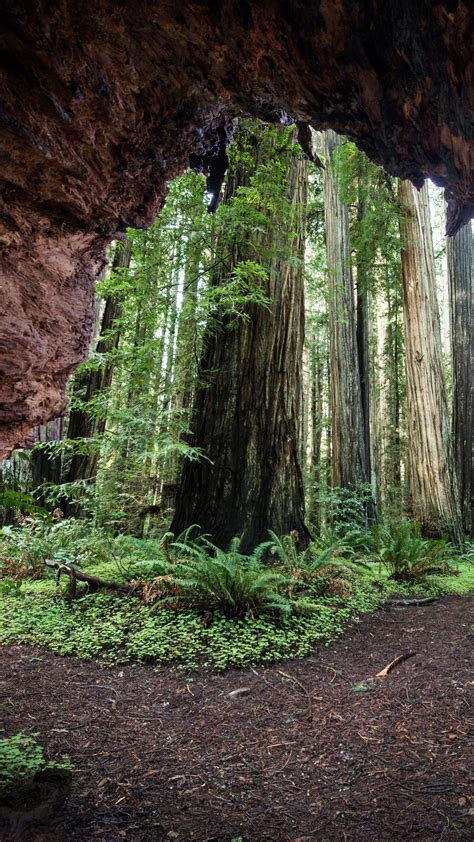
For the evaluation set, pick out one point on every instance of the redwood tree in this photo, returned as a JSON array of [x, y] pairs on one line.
[[460, 270], [350, 456], [434, 498], [247, 407]]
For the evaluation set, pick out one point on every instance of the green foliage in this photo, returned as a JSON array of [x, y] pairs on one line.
[[21, 757], [230, 583], [119, 629], [346, 508], [100, 625], [15, 497], [351, 544], [24, 548], [11, 587], [406, 555], [363, 687], [23, 503]]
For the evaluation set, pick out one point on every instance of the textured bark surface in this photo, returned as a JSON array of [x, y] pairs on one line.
[[350, 460], [102, 103], [460, 273], [434, 494], [247, 417]]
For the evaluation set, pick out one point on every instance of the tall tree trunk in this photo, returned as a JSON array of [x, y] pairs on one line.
[[316, 404], [247, 417], [374, 403], [460, 271], [350, 459], [362, 333], [391, 346], [433, 486], [187, 328]]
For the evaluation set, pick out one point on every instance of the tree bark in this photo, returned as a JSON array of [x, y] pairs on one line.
[[316, 402], [460, 270], [433, 487], [247, 416], [45, 466], [350, 459], [392, 391]]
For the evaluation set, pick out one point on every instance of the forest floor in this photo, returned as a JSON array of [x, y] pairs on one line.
[[310, 749]]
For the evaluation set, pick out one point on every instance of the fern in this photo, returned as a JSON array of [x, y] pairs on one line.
[[228, 582], [406, 555]]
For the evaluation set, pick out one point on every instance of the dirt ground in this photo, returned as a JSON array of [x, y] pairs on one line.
[[313, 749]]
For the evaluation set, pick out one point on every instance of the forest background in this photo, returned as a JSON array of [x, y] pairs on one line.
[[200, 397], [273, 427]]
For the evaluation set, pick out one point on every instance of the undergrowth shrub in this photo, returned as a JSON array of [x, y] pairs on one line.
[[352, 544], [231, 583], [24, 548], [276, 579], [406, 555], [316, 572]]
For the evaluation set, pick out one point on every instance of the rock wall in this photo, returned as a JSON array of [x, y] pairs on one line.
[[102, 102]]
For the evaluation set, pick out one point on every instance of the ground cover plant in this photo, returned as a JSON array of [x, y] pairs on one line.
[[22, 757], [193, 607]]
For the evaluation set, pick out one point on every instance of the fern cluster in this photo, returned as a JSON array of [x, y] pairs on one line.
[[199, 575], [407, 556]]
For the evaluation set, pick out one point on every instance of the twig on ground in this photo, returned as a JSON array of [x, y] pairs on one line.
[[383, 673]]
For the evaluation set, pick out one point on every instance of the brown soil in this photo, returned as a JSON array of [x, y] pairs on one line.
[[301, 754]]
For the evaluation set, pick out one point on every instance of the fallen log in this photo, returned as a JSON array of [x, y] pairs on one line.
[[406, 603]]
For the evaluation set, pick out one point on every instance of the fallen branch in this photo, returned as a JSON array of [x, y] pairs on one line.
[[94, 582], [383, 673]]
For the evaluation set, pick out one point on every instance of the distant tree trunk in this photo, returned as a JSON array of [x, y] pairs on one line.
[[350, 459], [374, 403], [316, 428], [46, 467], [392, 386], [187, 328], [460, 270], [362, 333], [433, 487], [82, 424], [247, 417]]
